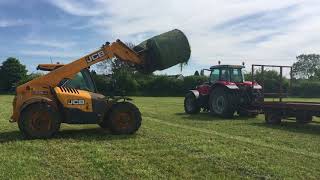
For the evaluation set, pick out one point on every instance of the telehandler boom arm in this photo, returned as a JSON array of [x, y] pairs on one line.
[[116, 49]]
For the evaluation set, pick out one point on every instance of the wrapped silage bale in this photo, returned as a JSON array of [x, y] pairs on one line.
[[164, 51]]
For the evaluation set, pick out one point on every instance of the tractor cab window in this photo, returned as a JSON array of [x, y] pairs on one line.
[[82, 81], [225, 76], [214, 76], [236, 75]]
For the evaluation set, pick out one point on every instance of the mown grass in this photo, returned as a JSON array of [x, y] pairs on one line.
[[170, 144]]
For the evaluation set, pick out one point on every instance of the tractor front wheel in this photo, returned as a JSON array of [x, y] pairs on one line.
[[124, 118], [221, 103], [190, 104], [39, 120]]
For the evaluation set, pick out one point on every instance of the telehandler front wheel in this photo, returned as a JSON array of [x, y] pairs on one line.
[[39, 121], [124, 118]]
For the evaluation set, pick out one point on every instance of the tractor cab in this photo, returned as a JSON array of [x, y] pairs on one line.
[[226, 73]]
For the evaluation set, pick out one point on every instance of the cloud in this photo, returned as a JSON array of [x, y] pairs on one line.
[[84, 8], [258, 31], [50, 53], [49, 42], [4, 23]]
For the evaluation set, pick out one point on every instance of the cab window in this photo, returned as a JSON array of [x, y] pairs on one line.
[[214, 76], [236, 75], [225, 76], [81, 81]]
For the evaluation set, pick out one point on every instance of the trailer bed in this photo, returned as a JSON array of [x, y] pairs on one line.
[[306, 106], [275, 111]]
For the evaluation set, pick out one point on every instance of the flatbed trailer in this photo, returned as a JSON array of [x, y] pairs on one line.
[[303, 112], [275, 111]]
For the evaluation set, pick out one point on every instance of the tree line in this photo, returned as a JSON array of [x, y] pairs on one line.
[[119, 78]]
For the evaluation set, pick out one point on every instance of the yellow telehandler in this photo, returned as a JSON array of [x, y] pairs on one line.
[[67, 93]]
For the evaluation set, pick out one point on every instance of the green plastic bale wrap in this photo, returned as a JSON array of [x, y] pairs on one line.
[[164, 51]]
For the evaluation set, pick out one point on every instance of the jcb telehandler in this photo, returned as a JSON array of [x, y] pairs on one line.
[[67, 94]]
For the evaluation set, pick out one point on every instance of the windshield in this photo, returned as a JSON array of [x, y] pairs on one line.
[[236, 75], [81, 81]]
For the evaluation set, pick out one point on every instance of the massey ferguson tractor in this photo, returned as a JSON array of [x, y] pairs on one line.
[[225, 93]]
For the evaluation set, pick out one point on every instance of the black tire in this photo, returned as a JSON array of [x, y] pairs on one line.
[[124, 118], [303, 118], [220, 103], [39, 121], [190, 104], [104, 124], [272, 118]]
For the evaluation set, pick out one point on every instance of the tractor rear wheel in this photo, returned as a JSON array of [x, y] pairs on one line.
[[39, 121], [220, 103], [190, 104], [124, 118]]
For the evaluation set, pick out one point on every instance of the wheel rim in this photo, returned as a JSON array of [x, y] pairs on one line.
[[219, 104], [40, 122], [124, 120]]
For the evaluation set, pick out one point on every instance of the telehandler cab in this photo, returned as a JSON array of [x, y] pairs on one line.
[[67, 94]]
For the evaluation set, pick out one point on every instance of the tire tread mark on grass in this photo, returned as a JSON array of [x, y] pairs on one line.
[[237, 138]]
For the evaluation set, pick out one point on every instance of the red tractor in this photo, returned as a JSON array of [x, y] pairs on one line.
[[225, 93]]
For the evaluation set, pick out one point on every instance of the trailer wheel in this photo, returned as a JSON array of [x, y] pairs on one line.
[[124, 118], [220, 103], [39, 121], [190, 104], [303, 118], [272, 118]]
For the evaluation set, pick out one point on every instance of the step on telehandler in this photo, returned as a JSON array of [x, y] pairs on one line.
[[67, 93]]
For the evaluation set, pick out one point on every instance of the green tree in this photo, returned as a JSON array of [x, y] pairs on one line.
[[270, 79], [196, 73], [27, 79], [12, 71], [307, 66]]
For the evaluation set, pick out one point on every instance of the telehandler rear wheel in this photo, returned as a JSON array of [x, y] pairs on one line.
[[39, 120], [124, 118]]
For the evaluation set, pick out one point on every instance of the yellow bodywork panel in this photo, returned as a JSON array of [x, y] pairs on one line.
[[73, 98]]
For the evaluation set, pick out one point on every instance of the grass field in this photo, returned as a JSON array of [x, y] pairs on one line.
[[170, 144]]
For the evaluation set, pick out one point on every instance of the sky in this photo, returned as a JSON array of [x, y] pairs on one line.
[[230, 31]]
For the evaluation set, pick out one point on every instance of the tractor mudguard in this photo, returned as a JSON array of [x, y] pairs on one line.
[[227, 85], [232, 86], [195, 93]]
